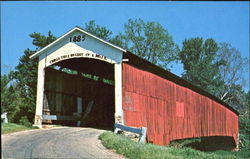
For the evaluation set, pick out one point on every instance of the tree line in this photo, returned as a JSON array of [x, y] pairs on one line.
[[217, 68]]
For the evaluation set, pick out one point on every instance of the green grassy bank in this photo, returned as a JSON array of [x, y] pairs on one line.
[[11, 127], [134, 150]]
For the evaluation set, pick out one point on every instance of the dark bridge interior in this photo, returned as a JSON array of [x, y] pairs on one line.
[[82, 90], [207, 143]]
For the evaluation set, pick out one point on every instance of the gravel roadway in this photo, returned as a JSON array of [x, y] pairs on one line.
[[63, 142]]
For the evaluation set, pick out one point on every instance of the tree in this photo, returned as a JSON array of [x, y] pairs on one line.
[[10, 98], [244, 123], [41, 41], [106, 34], [232, 73], [216, 69], [120, 40], [236, 97], [247, 101], [4, 93], [5, 69], [25, 76], [97, 30], [200, 65], [150, 41]]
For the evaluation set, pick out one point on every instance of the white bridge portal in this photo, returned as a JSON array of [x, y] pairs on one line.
[[67, 52]]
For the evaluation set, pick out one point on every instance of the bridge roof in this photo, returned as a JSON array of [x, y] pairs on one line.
[[143, 64], [39, 52]]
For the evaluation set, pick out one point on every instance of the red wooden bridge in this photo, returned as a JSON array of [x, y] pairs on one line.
[[170, 107], [136, 93]]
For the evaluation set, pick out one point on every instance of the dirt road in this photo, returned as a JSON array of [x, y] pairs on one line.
[[66, 142]]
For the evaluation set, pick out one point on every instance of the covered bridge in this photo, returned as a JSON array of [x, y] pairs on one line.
[[86, 81]]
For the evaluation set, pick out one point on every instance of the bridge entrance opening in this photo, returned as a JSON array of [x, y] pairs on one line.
[[79, 92]]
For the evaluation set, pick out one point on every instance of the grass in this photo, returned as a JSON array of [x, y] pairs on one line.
[[134, 150], [11, 127]]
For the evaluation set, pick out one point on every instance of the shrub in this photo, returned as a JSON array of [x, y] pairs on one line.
[[244, 124], [24, 121]]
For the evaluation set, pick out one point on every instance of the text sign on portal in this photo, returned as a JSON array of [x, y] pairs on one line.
[[79, 45], [77, 38], [77, 55]]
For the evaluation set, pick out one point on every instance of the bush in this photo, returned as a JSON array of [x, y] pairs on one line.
[[244, 124], [24, 121]]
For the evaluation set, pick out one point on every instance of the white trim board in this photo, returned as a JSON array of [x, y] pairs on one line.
[[43, 50]]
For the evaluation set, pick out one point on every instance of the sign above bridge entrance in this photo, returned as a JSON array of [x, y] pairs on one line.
[[72, 50]]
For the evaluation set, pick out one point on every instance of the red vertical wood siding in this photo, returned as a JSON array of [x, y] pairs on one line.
[[170, 111]]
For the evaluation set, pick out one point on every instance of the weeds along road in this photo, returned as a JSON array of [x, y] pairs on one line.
[[65, 142]]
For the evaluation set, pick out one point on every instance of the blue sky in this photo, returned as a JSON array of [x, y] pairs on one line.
[[222, 21]]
